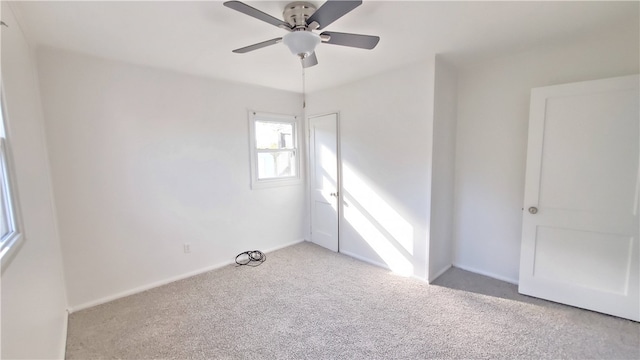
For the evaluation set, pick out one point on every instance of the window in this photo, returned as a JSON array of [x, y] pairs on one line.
[[274, 150], [9, 232]]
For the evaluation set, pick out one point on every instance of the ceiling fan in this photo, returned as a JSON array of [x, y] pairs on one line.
[[300, 20]]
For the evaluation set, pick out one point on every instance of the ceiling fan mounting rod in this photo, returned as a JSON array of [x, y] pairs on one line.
[[297, 13]]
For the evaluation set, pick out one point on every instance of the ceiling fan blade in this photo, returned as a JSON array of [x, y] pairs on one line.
[[310, 61], [253, 12], [331, 11], [353, 40], [257, 46]]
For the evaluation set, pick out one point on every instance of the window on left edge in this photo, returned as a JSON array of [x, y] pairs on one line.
[[9, 228]]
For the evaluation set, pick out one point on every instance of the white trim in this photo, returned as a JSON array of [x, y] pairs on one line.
[[416, 277], [156, 284], [146, 287], [364, 259], [9, 246], [486, 273], [437, 275], [382, 265], [65, 326], [338, 164], [257, 183], [276, 248], [340, 189], [9, 249]]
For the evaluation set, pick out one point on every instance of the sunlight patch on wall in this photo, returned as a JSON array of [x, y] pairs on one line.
[[388, 218], [381, 226], [378, 241]]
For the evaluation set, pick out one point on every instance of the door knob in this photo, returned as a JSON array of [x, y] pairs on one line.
[[334, 194], [533, 210]]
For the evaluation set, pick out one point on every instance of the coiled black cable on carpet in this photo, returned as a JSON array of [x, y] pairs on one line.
[[251, 258]]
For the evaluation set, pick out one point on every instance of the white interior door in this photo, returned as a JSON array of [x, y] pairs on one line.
[[580, 221], [324, 180]]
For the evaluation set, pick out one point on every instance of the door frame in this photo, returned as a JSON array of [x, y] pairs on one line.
[[339, 170]]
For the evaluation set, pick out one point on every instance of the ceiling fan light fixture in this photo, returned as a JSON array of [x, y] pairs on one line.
[[301, 43]]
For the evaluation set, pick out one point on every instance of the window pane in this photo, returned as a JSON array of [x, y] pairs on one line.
[[8, 227], [276, 164], [271, 135]]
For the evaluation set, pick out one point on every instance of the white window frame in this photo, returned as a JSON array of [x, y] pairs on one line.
[[9, 242], [257, 183]]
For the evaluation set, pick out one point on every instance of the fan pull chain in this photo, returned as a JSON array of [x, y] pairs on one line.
[[304, 91]]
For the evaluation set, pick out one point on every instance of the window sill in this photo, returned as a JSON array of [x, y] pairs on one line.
[[265, 184], [9, 249]]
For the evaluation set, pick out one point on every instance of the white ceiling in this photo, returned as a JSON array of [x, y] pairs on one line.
[[197, 37]]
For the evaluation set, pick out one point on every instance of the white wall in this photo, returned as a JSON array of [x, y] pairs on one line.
[[493, 110], [444, 146], [33, 292], [385, 127], [145, 160]]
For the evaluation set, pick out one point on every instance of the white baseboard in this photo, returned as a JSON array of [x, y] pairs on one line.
[[156, 284], [364, 259], [63, 346], [437, 275], [382, 265], [486, 273], [283, 246], [146, 287]]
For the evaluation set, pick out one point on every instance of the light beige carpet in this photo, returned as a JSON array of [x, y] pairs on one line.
[[306, 302]]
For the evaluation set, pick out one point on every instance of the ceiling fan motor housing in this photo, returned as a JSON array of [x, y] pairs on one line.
[[297, 13]]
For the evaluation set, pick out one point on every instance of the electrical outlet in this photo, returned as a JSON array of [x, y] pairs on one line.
[[187, 248]]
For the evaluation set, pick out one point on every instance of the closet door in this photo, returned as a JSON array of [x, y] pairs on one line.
[[325, 184], [580, 221]]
